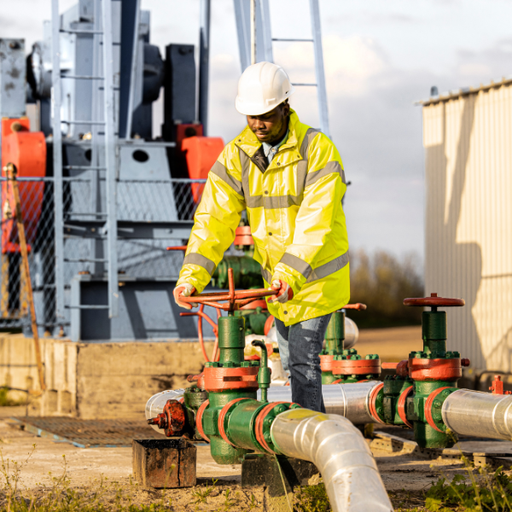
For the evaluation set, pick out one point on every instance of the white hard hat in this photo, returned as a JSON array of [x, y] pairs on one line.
[[261, 88]]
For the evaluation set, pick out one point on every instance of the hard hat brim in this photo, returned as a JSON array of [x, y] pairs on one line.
[[257, 109]]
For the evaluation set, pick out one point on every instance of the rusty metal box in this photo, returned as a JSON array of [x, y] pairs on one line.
[[164, 463]]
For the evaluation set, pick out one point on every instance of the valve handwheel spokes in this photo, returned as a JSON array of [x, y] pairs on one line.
[[358, 306], [434, 302], [234, 299]]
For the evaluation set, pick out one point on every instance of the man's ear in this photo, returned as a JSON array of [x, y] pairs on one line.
[[286, 108]]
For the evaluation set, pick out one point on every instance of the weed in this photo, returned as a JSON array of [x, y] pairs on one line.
[[253, 503], [202, 495], [6, 400], [312, 499], [228, 502], [486, 492]]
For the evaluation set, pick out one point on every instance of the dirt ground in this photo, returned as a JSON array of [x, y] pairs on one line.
[[40, 463]]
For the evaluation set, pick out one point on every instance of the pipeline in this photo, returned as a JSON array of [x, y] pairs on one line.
[[348, 400], [474, 413], [340, 453]]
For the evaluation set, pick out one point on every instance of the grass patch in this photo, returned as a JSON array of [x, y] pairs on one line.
[[7, 401]]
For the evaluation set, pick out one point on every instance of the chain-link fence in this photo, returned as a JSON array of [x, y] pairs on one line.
[[84, 207]]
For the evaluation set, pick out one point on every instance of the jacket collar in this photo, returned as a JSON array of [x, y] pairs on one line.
[[249, 143]]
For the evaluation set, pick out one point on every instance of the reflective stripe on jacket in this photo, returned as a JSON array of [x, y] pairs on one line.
[[295, 213]]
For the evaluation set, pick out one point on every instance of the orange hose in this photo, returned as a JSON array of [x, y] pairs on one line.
[[200, 334]]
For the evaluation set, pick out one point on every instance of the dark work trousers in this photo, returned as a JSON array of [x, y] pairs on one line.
[[299, 347]]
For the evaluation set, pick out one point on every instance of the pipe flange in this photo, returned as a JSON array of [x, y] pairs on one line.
[[423, 369], [219, 378], [326, 361], [375, 403], [402, 400], [199, 420], [434, 405], [349, 366], [264, 421]]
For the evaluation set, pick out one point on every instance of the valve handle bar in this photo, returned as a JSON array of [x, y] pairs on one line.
[[434, 302], [235, 299], [358, 306], [177, 248]]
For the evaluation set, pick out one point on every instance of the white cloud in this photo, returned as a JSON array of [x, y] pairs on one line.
[[350, 63]]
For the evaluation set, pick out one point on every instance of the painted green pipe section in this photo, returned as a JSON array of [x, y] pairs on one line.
[[264, 371], [334, 343], [335, 334], [246, 273], [231, 339]]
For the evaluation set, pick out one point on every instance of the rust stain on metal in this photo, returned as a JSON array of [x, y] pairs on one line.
[[164, 463], [172, 419]]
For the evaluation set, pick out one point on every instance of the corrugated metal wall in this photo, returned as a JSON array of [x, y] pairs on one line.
[[468, 142]]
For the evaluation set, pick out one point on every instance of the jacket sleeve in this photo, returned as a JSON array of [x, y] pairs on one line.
[[215, 221], [320, 208]]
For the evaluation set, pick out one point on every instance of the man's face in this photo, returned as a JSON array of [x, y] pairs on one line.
[[270, 127]]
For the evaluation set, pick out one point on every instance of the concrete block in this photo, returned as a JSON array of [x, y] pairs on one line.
[[97, 380]]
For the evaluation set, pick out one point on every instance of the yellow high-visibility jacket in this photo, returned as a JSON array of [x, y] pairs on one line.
[[295, 213]]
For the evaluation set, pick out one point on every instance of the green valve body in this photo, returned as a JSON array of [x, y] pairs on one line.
[[434, 347], [335, 351], [246, 272], [334, 343], [192, 399], [231, 348], [255, 320], [414, 396]]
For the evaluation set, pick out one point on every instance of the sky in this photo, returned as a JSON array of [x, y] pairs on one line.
[[380, 57]]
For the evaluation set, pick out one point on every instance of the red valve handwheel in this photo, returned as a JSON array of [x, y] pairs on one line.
[[434, 301], [177, 248], [358, 306], [235, 299]]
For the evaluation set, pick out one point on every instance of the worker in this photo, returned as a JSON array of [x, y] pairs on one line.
[[290, 180]]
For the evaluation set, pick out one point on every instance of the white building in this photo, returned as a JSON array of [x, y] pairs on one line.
[[468, 254]]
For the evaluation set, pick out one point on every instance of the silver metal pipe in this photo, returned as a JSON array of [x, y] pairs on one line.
[[351, 333], [348, 400], [155, 405], [341, 454], [473, 413]]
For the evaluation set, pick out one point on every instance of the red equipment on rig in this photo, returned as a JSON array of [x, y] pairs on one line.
[[27, 151]]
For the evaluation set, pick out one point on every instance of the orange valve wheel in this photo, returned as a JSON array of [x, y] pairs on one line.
[[201, 314], [358, 306], [434, 302], [234, 300]]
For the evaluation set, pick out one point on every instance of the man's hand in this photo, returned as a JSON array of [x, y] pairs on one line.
[[285, 293], [185, 290]]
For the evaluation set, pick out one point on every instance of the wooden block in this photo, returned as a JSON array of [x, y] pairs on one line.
[[164, 463]]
